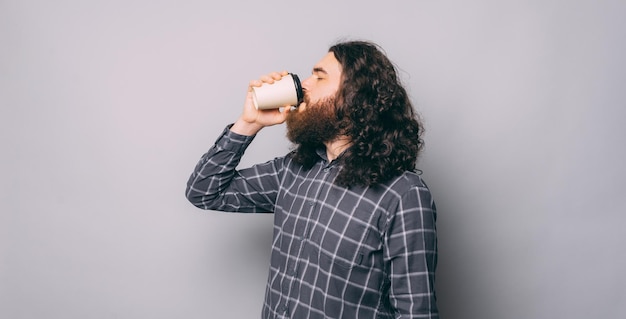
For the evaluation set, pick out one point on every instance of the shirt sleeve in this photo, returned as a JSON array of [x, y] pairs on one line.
[[216, 184], [411, 255]]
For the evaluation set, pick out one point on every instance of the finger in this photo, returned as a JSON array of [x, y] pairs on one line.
[[268, 78], [254, 83], [285, 113], [277, 75]]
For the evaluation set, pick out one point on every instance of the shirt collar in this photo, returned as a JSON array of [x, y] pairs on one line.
[[321, 152]]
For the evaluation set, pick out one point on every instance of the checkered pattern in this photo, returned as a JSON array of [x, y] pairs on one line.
[[360, 252]]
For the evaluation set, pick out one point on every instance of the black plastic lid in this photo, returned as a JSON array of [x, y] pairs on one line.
[[299, 92]]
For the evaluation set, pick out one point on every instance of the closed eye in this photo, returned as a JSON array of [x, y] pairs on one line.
[[319, 73]]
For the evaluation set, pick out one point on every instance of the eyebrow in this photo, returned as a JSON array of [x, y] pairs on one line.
[[320, 70]]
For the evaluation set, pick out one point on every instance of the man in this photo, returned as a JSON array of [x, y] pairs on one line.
[[354, 226]]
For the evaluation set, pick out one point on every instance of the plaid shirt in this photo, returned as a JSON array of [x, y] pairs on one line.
[[359, 252]]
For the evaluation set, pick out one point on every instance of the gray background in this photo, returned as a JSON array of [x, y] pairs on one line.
[[107, 105]]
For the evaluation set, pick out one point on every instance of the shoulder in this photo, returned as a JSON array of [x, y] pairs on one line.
[[407, 189], [409, 192], [404, 183]]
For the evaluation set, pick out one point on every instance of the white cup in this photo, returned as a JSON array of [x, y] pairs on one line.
[[282, 93]]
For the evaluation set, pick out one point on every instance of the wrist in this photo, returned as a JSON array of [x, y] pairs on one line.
[[242, 127]]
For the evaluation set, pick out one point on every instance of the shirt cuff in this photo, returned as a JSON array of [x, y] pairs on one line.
[[231, 141]]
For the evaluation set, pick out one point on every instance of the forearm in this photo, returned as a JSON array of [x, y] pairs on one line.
[[215, 170], [215, 174]]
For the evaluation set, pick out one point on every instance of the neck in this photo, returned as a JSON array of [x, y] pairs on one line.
[[335, 147]]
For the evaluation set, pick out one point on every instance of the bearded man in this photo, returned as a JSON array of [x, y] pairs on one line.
[[354, 224]]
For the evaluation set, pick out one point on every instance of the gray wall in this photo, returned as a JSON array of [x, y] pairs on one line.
[[107, 105]]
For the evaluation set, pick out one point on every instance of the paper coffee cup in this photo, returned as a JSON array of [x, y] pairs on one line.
[[285, 92]]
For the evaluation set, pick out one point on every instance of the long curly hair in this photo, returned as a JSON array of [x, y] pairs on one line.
[[376, 114]]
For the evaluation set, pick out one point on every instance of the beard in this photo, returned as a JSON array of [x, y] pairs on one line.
[[314, 125]]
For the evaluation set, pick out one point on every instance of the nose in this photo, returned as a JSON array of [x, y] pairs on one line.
[[306, 84]]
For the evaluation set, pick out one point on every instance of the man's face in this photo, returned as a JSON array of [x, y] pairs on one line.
[[324, 81], [315, 121]]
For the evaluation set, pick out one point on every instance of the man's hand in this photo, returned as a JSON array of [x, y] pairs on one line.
[[252, 120]]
